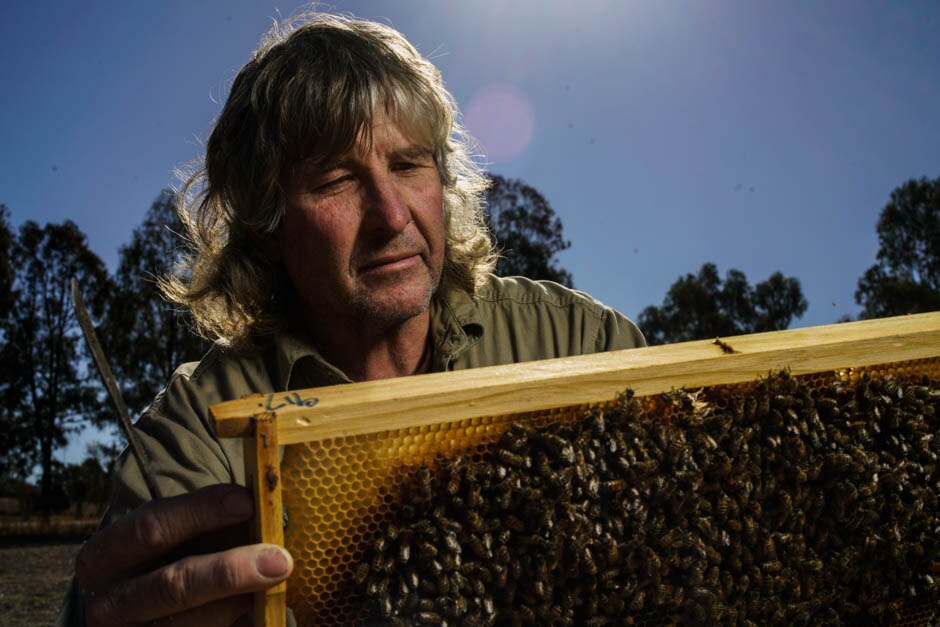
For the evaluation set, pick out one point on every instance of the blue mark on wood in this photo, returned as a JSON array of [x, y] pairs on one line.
[[274, 402]]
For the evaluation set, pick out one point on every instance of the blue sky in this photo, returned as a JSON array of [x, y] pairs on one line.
[[761, 136]]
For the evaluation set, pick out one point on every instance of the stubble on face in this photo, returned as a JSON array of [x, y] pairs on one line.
[[389, 300]]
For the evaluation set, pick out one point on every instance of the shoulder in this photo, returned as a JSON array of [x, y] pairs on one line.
[[524, 320], [524, 291], [176, 429], [225, 373]]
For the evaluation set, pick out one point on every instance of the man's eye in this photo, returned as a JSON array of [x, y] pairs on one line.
[[405, 166], [332, 183]]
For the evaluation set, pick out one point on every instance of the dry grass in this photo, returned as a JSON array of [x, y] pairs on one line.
[[33, 581]]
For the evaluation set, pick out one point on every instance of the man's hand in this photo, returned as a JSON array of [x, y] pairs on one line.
[[128, 575]]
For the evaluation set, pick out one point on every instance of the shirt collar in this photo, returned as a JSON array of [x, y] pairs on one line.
[[455, 326], [290, 348]]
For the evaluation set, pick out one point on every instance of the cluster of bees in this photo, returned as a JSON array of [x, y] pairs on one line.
[[774, 502]]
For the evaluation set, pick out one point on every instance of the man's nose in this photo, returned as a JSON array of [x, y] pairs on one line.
[[387, 209]]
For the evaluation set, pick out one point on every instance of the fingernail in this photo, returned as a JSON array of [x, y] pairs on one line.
[[237, 504], [272, 563]]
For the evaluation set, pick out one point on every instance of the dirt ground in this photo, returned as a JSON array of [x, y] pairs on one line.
[[33, 580]]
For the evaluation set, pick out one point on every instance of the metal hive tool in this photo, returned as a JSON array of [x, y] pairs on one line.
[[351, 449]]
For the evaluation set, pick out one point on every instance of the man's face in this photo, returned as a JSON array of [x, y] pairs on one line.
[[362, 239]]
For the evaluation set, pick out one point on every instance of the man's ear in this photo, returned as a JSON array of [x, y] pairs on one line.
[[269, 245]]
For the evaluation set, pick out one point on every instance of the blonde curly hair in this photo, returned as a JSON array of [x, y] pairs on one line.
[[309, 92]]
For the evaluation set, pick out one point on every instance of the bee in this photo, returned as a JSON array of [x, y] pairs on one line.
[[455, 606], [531, 494], [590, 567], [517, 436], [560, 448], [480, 545], [609, 577], [378, 562], [385, 603], [450, 540], [500, 575], [515, 569], [772, 566], [488, 607], [404, 552], [724, 346], [361, 572], [478, 588], [425, 483], [514, 523], [543, 464], [426, 551], [593, 487], [512, 459], [524, 614], [638, 602], [430, 618]]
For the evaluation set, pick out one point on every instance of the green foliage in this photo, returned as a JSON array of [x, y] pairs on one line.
[[527, 231], [15, 439], [906, 278], [702, 306], [84, 484], [147, 339], [45, 392], [7, 236]]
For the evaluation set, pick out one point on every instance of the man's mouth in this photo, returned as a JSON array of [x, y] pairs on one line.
[[391, 263]]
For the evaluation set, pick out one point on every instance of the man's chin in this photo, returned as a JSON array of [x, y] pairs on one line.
[[392, 308]]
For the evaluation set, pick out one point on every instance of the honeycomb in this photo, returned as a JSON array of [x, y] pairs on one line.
[[340, 493]]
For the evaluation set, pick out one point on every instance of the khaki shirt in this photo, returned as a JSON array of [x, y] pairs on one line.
[[508, 320]]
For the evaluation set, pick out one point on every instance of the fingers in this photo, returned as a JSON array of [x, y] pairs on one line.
[[154, 529], [198, 590], [228, 612]]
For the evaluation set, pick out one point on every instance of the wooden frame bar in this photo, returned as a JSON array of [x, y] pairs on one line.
[[263, 472], [343, 410]]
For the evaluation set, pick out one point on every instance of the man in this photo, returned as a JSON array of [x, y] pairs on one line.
[[338, 236]]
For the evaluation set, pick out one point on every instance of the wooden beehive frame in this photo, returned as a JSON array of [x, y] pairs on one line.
[[267, 420]]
